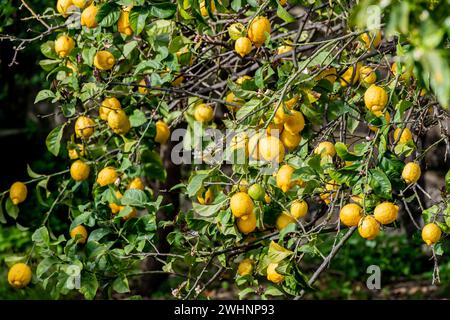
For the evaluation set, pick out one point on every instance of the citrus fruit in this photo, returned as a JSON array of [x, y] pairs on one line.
[[431, 233], [203, 113], [299, 209], [283, 220], [295, 122], [137, 184], [205, 197], [104, 60], [329, 74], [290, 141], [115, 205], [82, 3], [245, 267], [387, 116], [386, 212], [330, 188], [411, 172], [325, 148], [273, 275], [367, 75], [236, 30], [76, 152], [106, 176], [108, 104], [271, 149], [241, 205], [19, 276], [142, 87], [350, 76], [247, 224], [243, 46], [256, 192], [79, 233], [64, 45], [284, 178], [18, 192], [88, 17], [371, 39], [123, 25], [368, 228], [405, 136], [204, 9], [375, 98], [79, 170], [62, 6], [350, 214], [253, 146], [257, 30], [84, 127], [118, 122], [162, 132]]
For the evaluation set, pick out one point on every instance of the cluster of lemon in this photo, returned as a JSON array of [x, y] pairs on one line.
[[257, 32], [246, 267]]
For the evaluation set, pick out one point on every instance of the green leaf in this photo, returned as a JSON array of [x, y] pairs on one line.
[[2, 214], [48, 65], [283, 14], [33, 174], [380, 183], [196, 184], [134, 198], [44, 95], [138, 16], [120, 285], [11, 209], [53, 140], [89, 285], [88, 55], [344, 154], [108, 14], [138, 118], [129, 47], [98, 234], [48, 50], [41, 236], [447, 181], [80, 219], [163, 10]]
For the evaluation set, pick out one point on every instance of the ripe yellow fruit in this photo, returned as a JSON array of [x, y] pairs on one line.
[[239, 146], [204, 9], [290, 141], [79, 170], [245, 267], [118, 122], [72, 67], [350, 214], [282, 2], [106, 176], [299, 209], [19, 276], [62, 6], [79, 232], [405, 74], [241, 205], [253, 146], [123, 25], [280, 115], [203, 113], [137, 184], [325, 148], [271, 149], [18, 192], [107, 106], [243, 46], [431, 233], [386, 212], [88, 17], [273, 275], [267, 199], [205, 197], [116, 207], [375, 98], [284, 49], [295, 122], [257, 30], [142, 87], [162, 132], [368, 228], [78, 151], [348, 77], [247, 224], [330, 188], [84, 127], [367, 75], [64, 45], [329, 74], [243, 185], [284, 178], [231, 98], [387, 116], [411, 172], [405, 137], [82, 3], [241, 80], [371, 39], [104, 60]]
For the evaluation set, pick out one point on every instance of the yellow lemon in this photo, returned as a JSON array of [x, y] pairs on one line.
[[106, 176], [368, 228], [267, 199], [284, 49], [329, 74], [82, 3], [350, 214], [231, 98], [325, 148], [142, 89], [118, 122], [290, 141], [104, 60], [137, 184], [123, 25], [62, 6], [18, 192], [330, 188], [257, 30], [64, 45], [405, 74], [203, 113], [242, 79], [84, 127], [299, 209], [79, 232], [116, 207], [241, 205], [243, 185], [411, 172], [79, 170], [247, 224], [253, 146], [386, 212], [371, 39], [76, 152], [271, 149], [245, 267], [348, 77], [88, 17], [107, 106], [273, 275], [243, 46], [284, 178], [295, 122], [367, 75], [162, 132], [375, 98], [405, 137], [431, 233], [283, 220], [204, 9], [19, 276]]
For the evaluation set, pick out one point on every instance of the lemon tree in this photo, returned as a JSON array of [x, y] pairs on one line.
[[298, 120]]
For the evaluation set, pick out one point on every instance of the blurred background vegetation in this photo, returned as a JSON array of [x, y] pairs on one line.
[[406, 264]]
